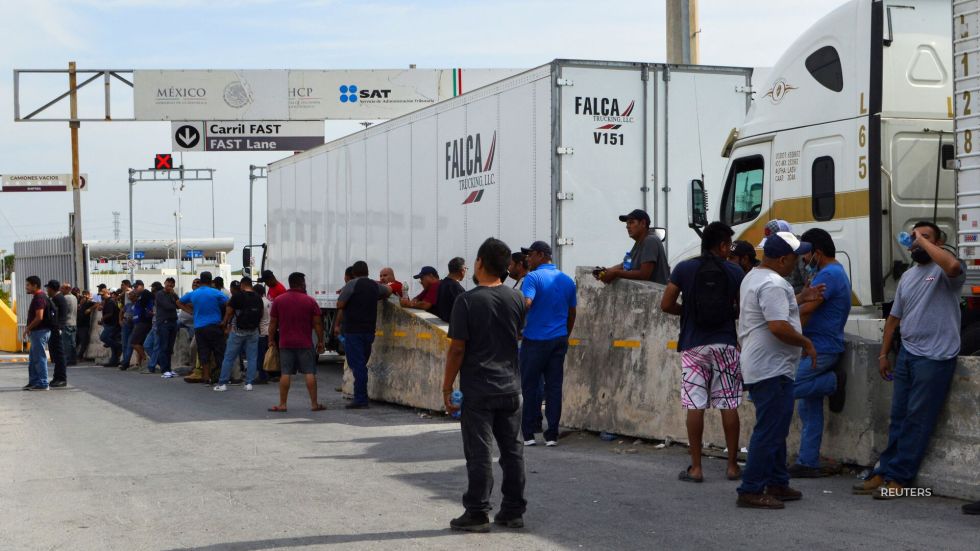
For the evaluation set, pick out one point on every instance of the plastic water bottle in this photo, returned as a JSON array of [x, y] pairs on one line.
[[627, 262], [904, 239], [457, 400]]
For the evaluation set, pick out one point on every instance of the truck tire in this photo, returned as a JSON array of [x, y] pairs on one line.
[[970, 340]]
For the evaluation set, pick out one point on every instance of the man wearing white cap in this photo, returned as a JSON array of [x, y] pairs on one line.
[[771, 337]]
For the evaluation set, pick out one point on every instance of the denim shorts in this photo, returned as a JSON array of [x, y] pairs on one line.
[[297, 360]]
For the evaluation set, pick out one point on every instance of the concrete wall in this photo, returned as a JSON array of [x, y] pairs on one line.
[[623, 376], [408, 359]]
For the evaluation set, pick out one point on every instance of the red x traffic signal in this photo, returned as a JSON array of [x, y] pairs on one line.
[[163, 161]]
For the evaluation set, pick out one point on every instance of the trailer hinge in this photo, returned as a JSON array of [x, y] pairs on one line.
[[743, 89], [565, 150], [564, 82], [565, 196], [565, 241]]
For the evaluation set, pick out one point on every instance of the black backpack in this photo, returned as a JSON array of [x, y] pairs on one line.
[[250, 316], [713, 304], [50, 314]]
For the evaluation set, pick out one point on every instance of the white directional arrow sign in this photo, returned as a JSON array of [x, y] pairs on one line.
[[187, 136]]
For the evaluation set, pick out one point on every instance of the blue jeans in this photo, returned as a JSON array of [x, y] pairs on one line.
[[68, 336], [809, 389], [150, 345], [166, 335], [542, 359], [110, 337], [127, 340], [37, 359], [238, 342], [766, 464], [357, 346], [918, 394]]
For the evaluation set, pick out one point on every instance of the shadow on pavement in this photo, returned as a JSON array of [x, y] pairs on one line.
[[317, 540]]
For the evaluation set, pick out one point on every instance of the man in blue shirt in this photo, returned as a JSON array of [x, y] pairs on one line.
[[550, 298], [207, 304], [823, 323]]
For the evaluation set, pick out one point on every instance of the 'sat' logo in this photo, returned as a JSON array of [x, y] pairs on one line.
[[348, 93]]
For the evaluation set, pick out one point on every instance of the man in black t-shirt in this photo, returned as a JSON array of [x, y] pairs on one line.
[[56, 346], [357, 319], [243, 314], [450, 288], [484, 329]]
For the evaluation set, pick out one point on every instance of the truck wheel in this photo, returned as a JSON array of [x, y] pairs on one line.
[[970, 341]]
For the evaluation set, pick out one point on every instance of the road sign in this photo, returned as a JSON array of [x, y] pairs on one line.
[[130, 264], [139, 255], [163, 161], [40, 182], [186, 136], [246, 135], [193, 253]]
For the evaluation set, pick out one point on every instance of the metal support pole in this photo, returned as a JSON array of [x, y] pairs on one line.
[[75, 184], [251, 184], [212, 208], [132, 243]]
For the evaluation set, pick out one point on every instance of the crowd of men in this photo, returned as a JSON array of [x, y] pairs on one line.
[[743, 327]]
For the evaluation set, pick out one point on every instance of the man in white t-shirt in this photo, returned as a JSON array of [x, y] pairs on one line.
[[771, 339]]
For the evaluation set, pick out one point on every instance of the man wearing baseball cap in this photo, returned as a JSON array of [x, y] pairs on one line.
[[795, 277], [429, 297], [770, 334], [550, 298], [743, 254], [647, 258], [273, 286]]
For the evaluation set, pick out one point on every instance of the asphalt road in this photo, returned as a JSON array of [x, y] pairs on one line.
[[127, 461]]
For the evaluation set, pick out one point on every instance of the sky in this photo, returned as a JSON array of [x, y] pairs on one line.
[[303, 34]]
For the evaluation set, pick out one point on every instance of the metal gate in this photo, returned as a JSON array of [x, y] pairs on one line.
[[48, 259]]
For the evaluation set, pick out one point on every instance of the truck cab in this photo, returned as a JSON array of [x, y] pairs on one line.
[[852, 132]]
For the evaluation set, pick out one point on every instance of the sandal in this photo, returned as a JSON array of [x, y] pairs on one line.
[[319, 407], [685, 476], [277, 409]]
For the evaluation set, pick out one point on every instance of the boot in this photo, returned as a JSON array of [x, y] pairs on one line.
[[196, 375]]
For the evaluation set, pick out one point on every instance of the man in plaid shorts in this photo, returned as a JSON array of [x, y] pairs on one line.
[[711, 376]]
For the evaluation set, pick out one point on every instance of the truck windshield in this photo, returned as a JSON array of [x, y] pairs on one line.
[[742, 201]]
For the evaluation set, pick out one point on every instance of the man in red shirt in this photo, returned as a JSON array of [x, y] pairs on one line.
[[296, 316], [387, 277], [427, 299], [273, 287]]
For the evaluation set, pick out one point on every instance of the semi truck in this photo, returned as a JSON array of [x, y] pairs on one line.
[[556, 153]]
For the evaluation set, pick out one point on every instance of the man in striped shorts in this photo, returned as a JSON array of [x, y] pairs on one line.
[[711, 376]]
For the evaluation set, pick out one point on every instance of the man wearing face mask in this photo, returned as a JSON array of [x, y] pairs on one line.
[[823, 323], [927, 309]]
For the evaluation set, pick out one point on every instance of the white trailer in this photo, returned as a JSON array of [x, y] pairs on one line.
[[555, 153]]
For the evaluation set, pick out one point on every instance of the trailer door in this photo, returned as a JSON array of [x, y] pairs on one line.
[[600, 159]]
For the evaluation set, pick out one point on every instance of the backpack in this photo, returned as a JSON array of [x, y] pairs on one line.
[[713, 305], [250, 315], [50, 313]]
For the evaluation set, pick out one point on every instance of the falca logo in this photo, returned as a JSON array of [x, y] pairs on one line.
[[350, 93], [605, 110], [468, 167]]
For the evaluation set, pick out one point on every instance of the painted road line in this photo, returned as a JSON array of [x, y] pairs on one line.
[[671, 345], [574, 342], [626, 344], [399, 334], [424, 336]]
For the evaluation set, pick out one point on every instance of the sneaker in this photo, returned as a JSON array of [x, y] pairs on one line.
[[530, 442], [509, 520], [784, 493], [248, 388], [836, 400], [27, 386], [37, 387], [123, 367], [168, 375], [220, 388], [550, 443], [471, 522], [972, 508], [58, 384], [804, 471], [869, 486], [759, 501]]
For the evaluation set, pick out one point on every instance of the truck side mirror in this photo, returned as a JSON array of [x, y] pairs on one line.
[[697, 205], [247, 261], [661, 234]]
